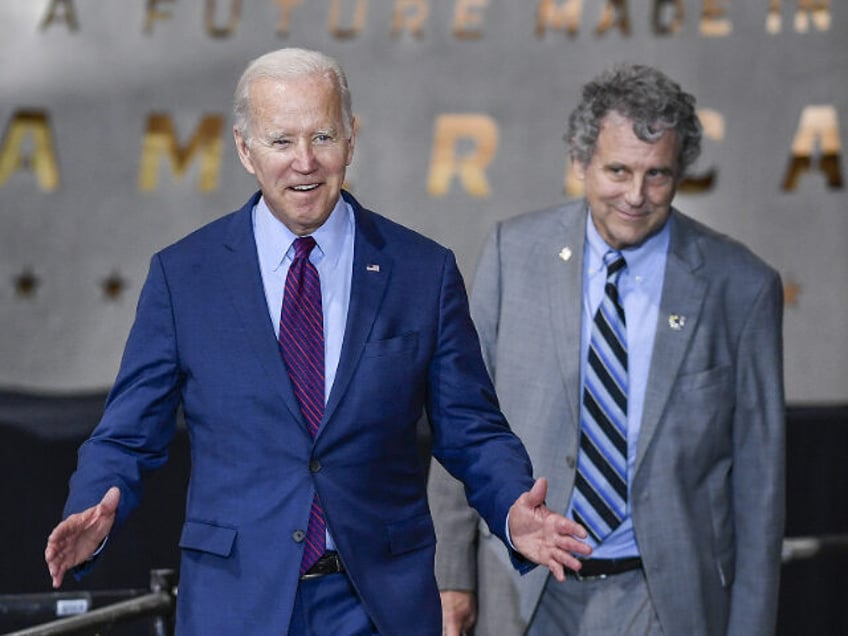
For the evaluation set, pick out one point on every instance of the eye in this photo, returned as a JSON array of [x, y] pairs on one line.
[[323, 138], [616, 171], [659, 174]]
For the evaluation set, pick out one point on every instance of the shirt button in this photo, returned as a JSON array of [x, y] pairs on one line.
[[298, 536], [314, 466], [570, 461]]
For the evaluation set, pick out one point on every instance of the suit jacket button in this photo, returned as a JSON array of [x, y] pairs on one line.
[[298, 536], [314, 466]]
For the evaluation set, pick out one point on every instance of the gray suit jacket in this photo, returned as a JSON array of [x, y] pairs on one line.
[[708, 489]]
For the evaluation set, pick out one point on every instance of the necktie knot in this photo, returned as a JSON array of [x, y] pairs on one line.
[[303, 247], [615, 263]]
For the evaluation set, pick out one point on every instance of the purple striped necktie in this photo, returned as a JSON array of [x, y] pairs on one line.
[[302, 347]]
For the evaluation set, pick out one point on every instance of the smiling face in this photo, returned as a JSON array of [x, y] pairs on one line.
[[298, 148], [629, 183]]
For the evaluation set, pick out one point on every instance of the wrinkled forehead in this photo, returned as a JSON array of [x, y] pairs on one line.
[[314, 98]]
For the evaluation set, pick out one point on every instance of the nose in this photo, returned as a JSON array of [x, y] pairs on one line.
[[304, 160], [635, 194]]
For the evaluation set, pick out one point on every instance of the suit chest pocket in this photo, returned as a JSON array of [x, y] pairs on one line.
[[706, 387], [403, 345], [700, 415]]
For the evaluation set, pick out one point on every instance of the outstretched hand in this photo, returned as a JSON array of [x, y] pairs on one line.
[[75, 539], [544, 536]]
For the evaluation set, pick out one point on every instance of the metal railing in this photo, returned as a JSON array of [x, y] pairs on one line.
[[158, 603], [797, 548]]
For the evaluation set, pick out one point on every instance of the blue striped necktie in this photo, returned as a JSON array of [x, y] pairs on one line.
[[302, 347], [600, 499]]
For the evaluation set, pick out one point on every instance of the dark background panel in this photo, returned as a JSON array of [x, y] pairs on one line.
[[39, 436]]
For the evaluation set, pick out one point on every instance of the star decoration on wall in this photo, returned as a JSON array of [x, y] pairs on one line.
[[114, 286], [791, 292], [26, 284]]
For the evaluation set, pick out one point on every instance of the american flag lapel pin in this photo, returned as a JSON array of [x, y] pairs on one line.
[[372, 268]]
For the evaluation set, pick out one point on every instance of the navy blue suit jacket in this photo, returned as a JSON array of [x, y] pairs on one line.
[[202, 339]]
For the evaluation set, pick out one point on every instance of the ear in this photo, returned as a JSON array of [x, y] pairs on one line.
[[243, 151], [578, 170], [354, 130]]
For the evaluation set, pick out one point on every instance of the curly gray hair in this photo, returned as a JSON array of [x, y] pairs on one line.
[[644, 95]]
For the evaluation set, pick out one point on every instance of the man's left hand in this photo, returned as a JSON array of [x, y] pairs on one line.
[[543, 536]]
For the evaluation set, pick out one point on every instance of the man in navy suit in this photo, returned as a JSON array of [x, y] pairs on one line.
[[397, 340]]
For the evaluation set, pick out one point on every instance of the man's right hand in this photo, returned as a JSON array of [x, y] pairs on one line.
[[459, 612], [75, 539], [544, 537]]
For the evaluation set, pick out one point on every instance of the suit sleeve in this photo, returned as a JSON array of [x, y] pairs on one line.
[[759, 442], [471, 437], [139, 419], [455, 520]]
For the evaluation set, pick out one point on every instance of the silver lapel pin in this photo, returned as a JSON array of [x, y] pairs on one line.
[[676, 321]]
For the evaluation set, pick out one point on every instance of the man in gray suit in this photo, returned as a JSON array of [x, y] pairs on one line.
[[688, 541]]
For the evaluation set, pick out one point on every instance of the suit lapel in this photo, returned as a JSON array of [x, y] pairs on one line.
[[242, 283], [562, 252], [680, 311], [372, 269]]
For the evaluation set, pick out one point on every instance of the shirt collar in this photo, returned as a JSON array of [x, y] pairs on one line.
[[278, 239], [640, 259]]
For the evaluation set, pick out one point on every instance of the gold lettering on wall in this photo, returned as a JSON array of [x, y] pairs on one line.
[[791, 292], [815, 11], [410, 15], [347, 17], [713, 23], [467, 19], [713, 125], [152, 14], [463, 146], [160, 139], [68, 15], [285, 15], [818, 130], [347, 33], [573, 187], [558, 17], [615, 14], [230, 28], [29, 146], [668, 16]]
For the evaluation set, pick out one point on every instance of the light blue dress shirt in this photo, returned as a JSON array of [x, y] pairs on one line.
[[333, 258], [640, 289]]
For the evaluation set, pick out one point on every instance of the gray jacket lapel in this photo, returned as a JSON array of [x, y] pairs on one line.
[[563, 249], [680, 310]]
